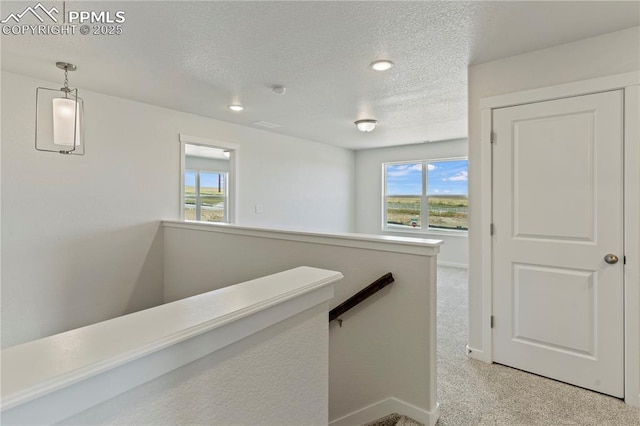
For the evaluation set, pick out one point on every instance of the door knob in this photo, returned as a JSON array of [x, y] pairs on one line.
[[611, 259]]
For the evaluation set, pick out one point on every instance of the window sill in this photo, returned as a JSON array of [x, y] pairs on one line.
[[430, 231]]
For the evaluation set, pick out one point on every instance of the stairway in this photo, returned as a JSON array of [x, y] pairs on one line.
[[394, 419]]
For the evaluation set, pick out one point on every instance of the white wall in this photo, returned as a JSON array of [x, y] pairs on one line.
[[275, 377], [80, 235], [368, 208], [386, 346], [609, 54]]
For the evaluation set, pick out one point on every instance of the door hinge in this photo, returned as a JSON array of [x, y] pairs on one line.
[[492, 137], [491, 321], [491, 229], [624, 260]]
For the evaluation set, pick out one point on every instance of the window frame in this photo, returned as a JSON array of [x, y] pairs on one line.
[[424, 203], [233, 176]]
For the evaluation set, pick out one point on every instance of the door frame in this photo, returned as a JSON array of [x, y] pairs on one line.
[[630, 84]]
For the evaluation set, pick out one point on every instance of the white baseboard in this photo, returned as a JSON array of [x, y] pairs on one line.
[[634, 402], [453, 264], [477, 354], [386, 407]]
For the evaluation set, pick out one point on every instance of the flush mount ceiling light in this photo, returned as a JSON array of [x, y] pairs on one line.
[[236, 108], [59, 115], [366, 125], [381, 65]]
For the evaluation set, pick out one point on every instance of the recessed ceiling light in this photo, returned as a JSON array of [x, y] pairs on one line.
[[236, 108], [278, 89], [366, 125], [381, 65]]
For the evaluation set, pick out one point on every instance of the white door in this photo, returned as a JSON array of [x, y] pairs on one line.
[[557, 213]]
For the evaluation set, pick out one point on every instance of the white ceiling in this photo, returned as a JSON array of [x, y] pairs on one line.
[[200, 57]]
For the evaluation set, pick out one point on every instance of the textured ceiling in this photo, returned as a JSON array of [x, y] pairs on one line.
[[200, 57]]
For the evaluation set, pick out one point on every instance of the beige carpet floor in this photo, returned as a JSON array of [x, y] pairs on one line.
[[474, 393]]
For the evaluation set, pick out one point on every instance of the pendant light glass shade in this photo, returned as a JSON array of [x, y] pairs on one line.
[[66, 122], [59, 120]]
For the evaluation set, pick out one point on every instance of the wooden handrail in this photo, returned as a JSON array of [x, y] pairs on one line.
[[360, 296]]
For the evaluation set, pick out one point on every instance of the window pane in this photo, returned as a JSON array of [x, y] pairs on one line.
[[190, 195], [447, 194], [212, 196], [403, 194]]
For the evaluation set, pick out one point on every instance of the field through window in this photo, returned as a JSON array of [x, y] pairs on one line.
[[431, 192], [205, 196]]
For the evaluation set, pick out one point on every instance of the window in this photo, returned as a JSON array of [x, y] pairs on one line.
[[206, 196], [426, 195], [208, 179]]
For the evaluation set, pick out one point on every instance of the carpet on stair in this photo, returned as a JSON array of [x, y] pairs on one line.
[[394, 419]]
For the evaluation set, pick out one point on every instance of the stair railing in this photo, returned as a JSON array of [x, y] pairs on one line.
[[360, 297]]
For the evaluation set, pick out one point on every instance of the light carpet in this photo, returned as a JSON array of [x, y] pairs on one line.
[[473, 393]]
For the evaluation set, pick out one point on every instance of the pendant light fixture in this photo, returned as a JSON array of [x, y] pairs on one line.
[[59, 116]]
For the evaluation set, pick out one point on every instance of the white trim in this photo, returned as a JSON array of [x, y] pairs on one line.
[[194, 140], [424, 200], [486, 207], [181, 189], [424, 234], [420, 246], [632, 244], [64, 371], [384, 408], [629, 82], [453, 264], [477, 354], [576, 88], [233, 185], [448, 232]]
